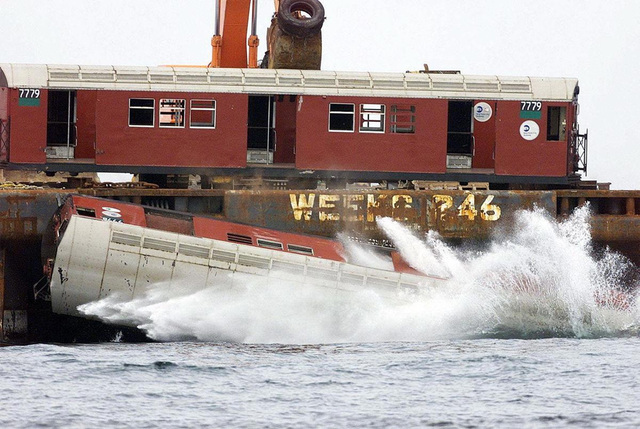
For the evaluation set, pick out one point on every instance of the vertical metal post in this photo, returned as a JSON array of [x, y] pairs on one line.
[[271, 118], [217, 19], [564, 206], [253, 41], [216, 40], [269, 124], [75, 122], [631, 206], [254, 18], [68, 123]]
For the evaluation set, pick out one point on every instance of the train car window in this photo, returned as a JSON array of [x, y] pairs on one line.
[[403, 119], [372, 118], [86, 212], [172, 113], [269, 244], [141, 112], [556, 123], [341, 117], [63, 228], [203, 114], [300, 249]]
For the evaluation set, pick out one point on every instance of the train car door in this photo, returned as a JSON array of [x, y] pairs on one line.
[[61, 125], [285, 149], [85, 150], [261, 138], [471, 135], [484, 135], [460, 134]]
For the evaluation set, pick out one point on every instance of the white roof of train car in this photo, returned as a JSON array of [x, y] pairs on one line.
[[288, 82]]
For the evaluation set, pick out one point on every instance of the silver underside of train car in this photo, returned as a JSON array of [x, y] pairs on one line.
[[100, 259]]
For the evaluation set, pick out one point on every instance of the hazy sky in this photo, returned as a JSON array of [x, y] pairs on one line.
[[596, 41]]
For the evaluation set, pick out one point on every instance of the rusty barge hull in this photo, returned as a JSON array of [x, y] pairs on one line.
[[455, 214], [459, 216]]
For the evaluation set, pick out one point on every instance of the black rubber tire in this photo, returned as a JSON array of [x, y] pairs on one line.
[[301, 27]]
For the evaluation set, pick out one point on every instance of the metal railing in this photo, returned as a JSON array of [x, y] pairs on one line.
[[4, 140], [581, 143]]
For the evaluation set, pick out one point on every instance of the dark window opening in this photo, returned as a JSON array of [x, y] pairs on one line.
[[300, 249], [63, 227], [86, 212], [341, 117], [460, 131], [141, 112], [403, 119], [61, 118], [261, 132], [556, 123], [269, 244]]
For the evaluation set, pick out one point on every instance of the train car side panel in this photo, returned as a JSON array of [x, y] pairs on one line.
[[86, 124], [28, 116], [371, 134], [164, 142], [523, 144], [111, 211]]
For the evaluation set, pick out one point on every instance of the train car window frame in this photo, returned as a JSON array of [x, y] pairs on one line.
[[372, 118], [337, 117], [136, 112], [303, 250], [175, 109], [87, 212], [403, 119], [269, 244], [212, 108], [556, 123]]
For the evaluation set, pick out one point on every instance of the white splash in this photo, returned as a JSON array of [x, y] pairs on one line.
[[541, 280], [365, 256]]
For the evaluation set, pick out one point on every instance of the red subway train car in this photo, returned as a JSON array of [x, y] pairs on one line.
[[290, 124]]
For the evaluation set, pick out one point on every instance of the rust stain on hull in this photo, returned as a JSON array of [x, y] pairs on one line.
[[25, 214], [13, 223], [454, 214]]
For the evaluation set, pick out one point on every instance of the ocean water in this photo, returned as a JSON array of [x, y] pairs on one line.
[[547, 383], [539, 329]]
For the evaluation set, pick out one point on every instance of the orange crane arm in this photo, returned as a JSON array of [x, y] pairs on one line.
[[230, 39]]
